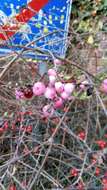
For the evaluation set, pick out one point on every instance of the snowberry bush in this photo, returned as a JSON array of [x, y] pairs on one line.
[[53, 127]]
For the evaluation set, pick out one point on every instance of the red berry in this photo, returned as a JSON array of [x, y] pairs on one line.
[[28, 129], [97, 171], [28, 92], [102, 144], [74, 172], [81, 135], [12, 187], [80, 186], [104, 183], [104, 188]]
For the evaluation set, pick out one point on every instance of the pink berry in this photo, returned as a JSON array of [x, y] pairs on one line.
[[59, 87], [104, 86], [50, 93], [52, 79], [48, 110], [58, 62], [64, 95], [39, 88], [105, 81], [82, 86], [19, 94], [58, 103], [69, 88], [52, 72]]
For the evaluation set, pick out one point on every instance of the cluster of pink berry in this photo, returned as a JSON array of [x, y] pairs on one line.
[[56, 91]]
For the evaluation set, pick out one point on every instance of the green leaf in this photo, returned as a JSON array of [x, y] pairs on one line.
[[5, 114], [105, 3]]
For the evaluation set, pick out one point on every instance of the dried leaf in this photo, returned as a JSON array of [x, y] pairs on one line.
[[90, 40]]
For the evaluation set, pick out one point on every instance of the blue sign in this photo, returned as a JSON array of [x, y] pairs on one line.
[[46, 29]]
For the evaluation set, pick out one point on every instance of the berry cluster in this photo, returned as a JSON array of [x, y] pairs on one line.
[[56, 91], [101, 143]]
